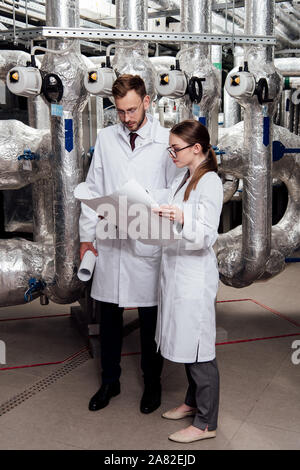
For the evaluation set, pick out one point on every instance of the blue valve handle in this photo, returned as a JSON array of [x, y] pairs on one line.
[[34, 286], [279, 150], [218, 151], [28, 155]]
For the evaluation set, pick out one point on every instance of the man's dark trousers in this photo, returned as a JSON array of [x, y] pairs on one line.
[[111, 336]]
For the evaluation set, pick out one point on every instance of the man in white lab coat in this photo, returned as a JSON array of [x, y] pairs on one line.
[[126, 272]]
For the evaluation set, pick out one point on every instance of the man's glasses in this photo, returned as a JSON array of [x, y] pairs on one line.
[[130, 112], [173, 152]]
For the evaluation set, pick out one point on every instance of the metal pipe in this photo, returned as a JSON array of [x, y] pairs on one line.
[[288, 66], [285, 108], [232, 109], [254, 245], [293, 25], [21, 260], [195, 17], [133, 15], [67, 148], [286, 234], [166, 4]]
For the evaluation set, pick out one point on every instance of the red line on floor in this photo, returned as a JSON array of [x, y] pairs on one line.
[[137, 353], [47, 363], [257, 339], [263, 306], [36, 318]]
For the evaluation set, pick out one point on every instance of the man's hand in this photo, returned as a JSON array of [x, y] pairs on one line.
[[85, 246]]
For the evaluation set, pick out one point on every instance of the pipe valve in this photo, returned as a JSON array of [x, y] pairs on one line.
[[243, 84], [24, 81], [99, 81], [240, 84], [172, 84], [175, 84]]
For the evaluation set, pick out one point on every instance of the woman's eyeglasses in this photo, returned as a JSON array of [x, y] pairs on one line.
[[173, 152]]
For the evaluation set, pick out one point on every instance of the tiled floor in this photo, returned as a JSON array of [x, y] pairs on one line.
[[259, 403]]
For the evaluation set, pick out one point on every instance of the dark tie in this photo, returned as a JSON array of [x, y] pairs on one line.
[[133, 136]]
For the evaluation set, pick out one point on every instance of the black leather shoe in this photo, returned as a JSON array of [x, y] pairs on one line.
[[151, 399], [105, 393]]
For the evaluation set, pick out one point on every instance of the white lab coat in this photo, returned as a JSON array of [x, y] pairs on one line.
[[189, 276], [126, 271]]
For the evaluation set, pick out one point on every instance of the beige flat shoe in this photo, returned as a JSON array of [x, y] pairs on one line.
[[180, 437], [175, 414]]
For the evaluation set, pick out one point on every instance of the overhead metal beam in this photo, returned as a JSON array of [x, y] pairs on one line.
[[43, 32]]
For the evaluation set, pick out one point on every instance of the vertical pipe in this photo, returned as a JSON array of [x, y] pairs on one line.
[[133, 15], [67, 148], [42, 196], [285, 108], [296, 126], [195, 17], [257, 193], [232, 109]]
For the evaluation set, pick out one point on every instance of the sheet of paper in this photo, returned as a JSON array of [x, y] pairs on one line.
[[129, 209]]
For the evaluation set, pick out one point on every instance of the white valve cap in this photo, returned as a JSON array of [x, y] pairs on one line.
[[99, 81], [239, 84], [24, 81], [172, 84]]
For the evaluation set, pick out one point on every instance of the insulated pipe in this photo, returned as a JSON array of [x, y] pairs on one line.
[[133, 15], [288, 66], [285, 117], [232, 109], [292, 25], [42, 190], [67, 148], [257, 193], [166, 4], [21, 260], [195, 17], [254, 248], [286, 234]]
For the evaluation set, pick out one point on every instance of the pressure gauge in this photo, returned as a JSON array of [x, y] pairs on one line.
[[24, 81], [99, 81]]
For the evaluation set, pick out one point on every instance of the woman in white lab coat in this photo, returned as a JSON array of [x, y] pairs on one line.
[[189, 278]]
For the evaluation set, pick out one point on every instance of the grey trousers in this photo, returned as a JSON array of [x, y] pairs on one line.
[[203, 393]]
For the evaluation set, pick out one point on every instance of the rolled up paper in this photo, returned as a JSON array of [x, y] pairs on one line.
[[87, 265]]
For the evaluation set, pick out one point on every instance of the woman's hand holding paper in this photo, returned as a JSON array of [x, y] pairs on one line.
[[170, 212]]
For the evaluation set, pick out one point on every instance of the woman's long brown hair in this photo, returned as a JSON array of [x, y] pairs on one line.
[[193, 132]]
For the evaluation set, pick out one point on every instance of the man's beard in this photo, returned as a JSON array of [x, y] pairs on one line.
[[139, 123]]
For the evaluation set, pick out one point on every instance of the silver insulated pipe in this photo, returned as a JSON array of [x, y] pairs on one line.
[[130, 56], [67, 148], [247, 261], [195, 60]]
